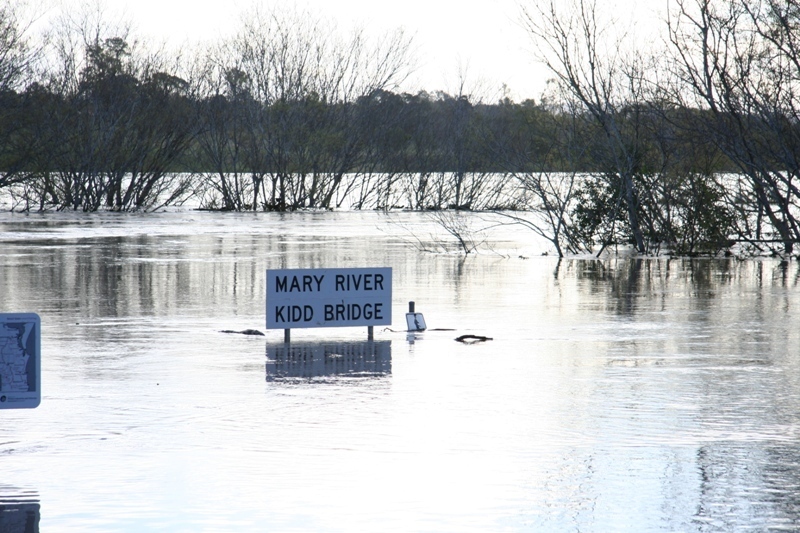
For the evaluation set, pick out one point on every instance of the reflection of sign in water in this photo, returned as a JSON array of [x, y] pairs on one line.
[[329, 297], [19, 510], [19, 517], [20, 360], [307, 360]]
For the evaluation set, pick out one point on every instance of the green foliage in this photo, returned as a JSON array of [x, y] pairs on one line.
[[599, 214], [705, 221], [689, 216]]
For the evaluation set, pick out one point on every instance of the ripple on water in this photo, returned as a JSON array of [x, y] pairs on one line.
[[614, 396]]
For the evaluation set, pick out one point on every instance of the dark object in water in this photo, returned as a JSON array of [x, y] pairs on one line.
[[468, 339], [244, 332]]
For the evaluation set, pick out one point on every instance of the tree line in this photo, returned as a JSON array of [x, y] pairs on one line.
[[691, 147]]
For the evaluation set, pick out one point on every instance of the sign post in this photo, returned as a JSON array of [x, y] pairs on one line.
[[329, 297]]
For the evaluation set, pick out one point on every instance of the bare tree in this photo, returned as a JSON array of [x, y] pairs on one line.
[[589, 64], [539, 146], [225, 100], [18, 56], [119, 119], [301, 134], [740, 60]]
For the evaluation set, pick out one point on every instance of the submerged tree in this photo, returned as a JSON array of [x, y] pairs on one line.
[[541, 149], [741, 61], [18, 56], [651, 176], [570, 43], [116, 121], [296, 112]]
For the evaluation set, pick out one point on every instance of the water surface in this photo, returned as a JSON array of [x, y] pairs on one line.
[[616, 395]]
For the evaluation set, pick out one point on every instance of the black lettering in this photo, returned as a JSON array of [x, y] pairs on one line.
[[308, 313], [280, 284], [319, 281], [358, 282], [346, 312], [295, 285], [307, 283], [279, 313]]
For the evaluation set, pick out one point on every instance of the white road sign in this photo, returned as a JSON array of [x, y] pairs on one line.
[[329, 297]]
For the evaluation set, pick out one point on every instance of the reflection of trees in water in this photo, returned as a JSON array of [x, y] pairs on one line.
[[624, 281], [742, 486], [732, 336], [781, 476], [629, 281], [729, 314], [141, 275]]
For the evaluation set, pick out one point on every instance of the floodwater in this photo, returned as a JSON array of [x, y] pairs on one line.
[[615, 395]]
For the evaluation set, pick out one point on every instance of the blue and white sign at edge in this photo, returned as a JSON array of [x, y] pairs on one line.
[[20, 360]]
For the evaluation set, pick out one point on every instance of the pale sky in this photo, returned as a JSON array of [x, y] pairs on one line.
[[481, 37]]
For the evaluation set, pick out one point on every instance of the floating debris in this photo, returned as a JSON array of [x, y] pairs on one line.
[[244, 332], [470, 339]]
